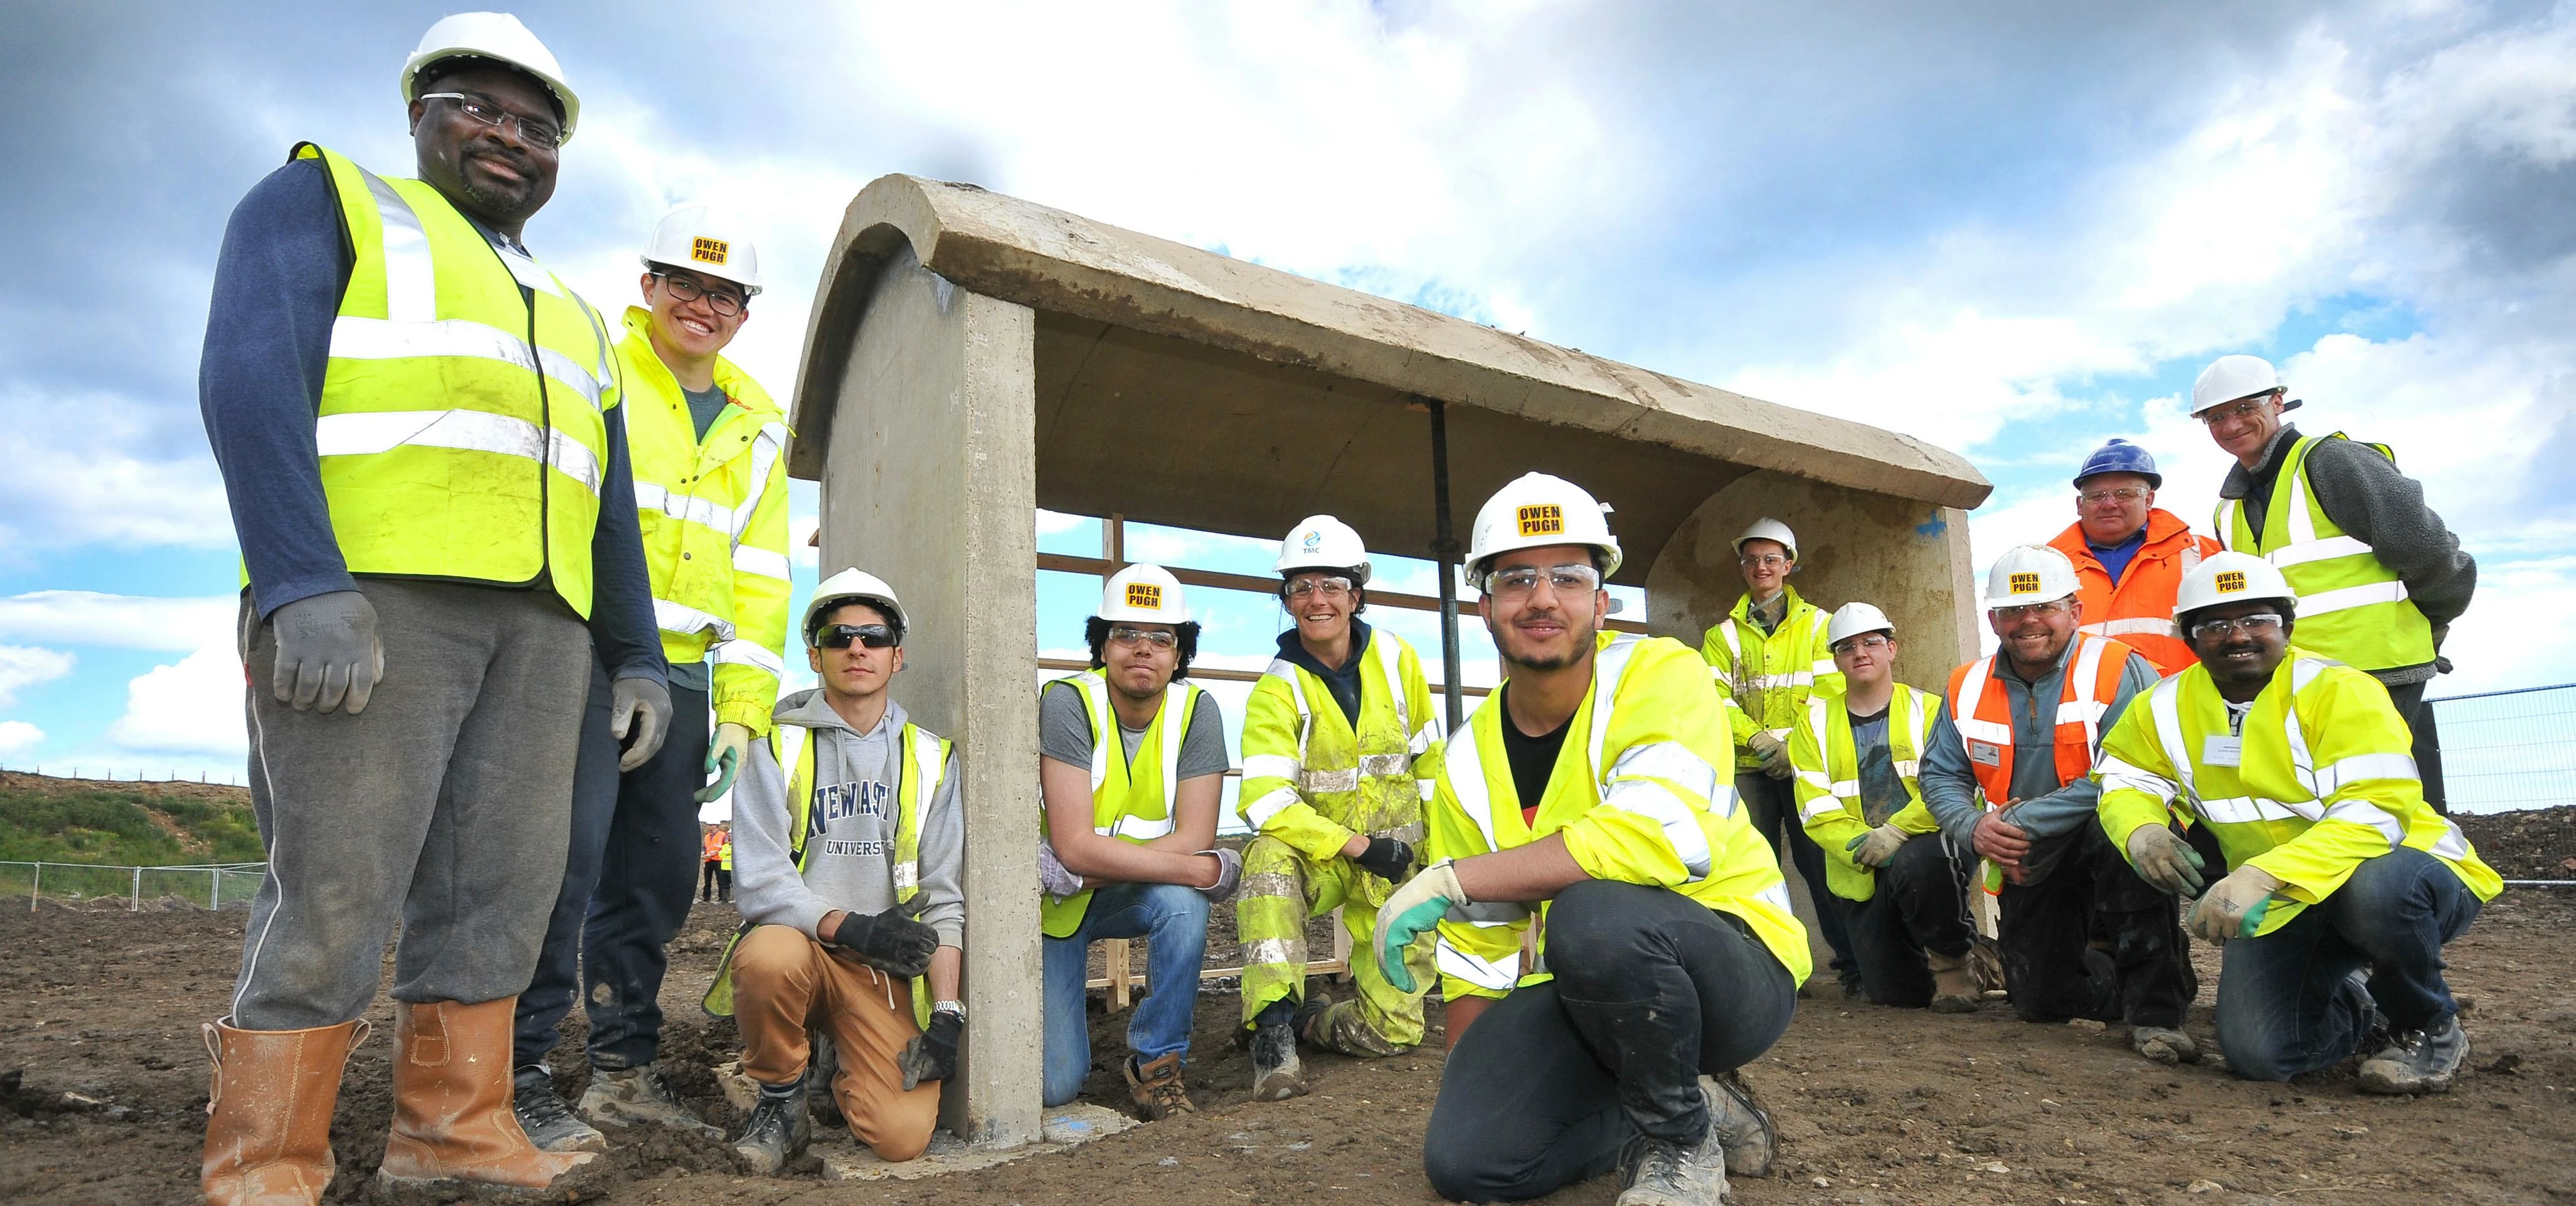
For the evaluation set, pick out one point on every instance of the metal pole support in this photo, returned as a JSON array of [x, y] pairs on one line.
[[1444, 550]]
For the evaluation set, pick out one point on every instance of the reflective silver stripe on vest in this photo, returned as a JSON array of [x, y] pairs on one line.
[[365, 433], [766, 563], [2340, 598], [1466, 771], [1259, 812], [1628, 784], [2140, 626], [739, 652], [1327, 782], [685, 620], [1963, 710], [1269, 766], [1497, 975]]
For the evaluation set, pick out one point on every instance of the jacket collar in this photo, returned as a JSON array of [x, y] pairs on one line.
[[811, 709], [1293, 652], [2240, 481], [738, 386]]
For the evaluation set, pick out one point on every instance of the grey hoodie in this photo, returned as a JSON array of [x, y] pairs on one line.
[[852, 860]]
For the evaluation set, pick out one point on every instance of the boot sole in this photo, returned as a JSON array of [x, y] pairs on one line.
[[1278, 1086], [1953, 1005], [576, 1185]]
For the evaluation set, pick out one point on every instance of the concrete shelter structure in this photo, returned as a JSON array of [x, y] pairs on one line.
[[972, 357]]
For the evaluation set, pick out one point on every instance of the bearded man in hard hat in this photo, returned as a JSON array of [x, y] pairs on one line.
[[2345, 885], [708, 449], [2382, 576], [851, 852], [1340, 745], [2008, 774], [1584, 815], [1767, 655], [419, 431], [1858, 750], [1131, 759], [2130, 555]]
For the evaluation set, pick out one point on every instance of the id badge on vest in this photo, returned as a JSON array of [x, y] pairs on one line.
[[2222, 751], [1985, 753]]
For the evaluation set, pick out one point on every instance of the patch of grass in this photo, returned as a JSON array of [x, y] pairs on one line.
[[82, 824]]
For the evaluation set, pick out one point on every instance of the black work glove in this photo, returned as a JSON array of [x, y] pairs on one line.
[[1386, 858], [327, 652], [932, 1054], [891, 941]]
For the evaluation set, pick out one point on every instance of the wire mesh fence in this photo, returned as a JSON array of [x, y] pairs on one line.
[[203, 886], [2504, 750]]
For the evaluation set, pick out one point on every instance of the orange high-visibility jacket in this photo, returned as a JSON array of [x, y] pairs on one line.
[[2138, 611], [1982, 712]]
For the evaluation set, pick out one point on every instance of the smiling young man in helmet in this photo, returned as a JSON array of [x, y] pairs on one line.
[[2345, 885], [1131, 761], [708, 449], [1340, 745], [2130, 555], [1585, 814]]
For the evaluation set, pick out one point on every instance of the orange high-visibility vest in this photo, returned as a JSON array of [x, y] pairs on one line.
[[2092, 681], [2138, 610]]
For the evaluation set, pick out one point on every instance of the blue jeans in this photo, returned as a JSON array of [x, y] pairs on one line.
[[2286, 1002], [1173, 920]]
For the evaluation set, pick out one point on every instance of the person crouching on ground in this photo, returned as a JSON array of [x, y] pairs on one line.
[[1856, 751], [1129, 831], [2345, 883], [850, 848]]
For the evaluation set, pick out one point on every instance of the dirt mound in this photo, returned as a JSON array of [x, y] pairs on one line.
[[2537, 843]]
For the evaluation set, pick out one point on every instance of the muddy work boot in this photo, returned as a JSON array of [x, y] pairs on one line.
[[781, 1124], [1156, 1087], [453, 1128], [2418, 1061], [2163, 1045], [1954, 984], [1659, 1172], [268, 1130], [621, 1097], [1277, 1074], [1740, 1124], [550, 1124]]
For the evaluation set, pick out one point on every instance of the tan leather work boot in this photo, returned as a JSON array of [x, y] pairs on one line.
[[268, 1125], [452, 1119], [1156, 1087], [1954, 986]]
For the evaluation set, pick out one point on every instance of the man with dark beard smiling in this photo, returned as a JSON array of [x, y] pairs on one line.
[[419, 433]]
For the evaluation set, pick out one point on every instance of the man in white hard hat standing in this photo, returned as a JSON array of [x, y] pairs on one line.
[[1131, 761], [1584, 814], [1768, 655], [1340, 746], [849, 858], [2008, 774], [2130, 555], [708, 449], [420, 434], [2345, 885], [2383, 577], [1858, 752]]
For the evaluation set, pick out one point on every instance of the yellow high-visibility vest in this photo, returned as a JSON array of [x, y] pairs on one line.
[[1312, 780], [1767, 678], [1132, 801], [2352, 607], [1828, 782]]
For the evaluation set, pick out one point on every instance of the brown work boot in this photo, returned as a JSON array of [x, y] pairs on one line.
[[1954, 986], [268, 1125], [1157, 1087], [452, 1119]]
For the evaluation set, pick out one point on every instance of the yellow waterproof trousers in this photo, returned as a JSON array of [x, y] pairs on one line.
[[1282, 889]]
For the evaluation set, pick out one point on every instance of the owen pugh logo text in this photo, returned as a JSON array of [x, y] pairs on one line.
[[1145, 595], [1544, 519], [708, 251]]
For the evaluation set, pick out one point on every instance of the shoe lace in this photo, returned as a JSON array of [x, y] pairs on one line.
[[770, 1120], [539, 1105]]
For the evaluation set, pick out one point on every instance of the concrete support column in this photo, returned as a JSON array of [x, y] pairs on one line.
[[931, 484]]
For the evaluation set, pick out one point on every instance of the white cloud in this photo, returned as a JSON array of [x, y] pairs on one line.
[[101, 468], [18, 736], [24, 667], [83, 617], [193, 707]]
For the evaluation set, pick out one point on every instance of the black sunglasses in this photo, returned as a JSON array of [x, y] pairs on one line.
[[839, 636]]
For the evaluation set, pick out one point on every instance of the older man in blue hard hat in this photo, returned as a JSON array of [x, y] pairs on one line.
[[2130, 555]]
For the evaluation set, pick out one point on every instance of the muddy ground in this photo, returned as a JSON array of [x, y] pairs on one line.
[[103, 1080]]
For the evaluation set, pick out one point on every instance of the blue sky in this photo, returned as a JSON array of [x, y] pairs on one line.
[[2013, 230]]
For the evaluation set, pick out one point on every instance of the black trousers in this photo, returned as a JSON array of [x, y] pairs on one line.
[[1652, 989], [2081, 897], [2409, 700], [1921, 905]]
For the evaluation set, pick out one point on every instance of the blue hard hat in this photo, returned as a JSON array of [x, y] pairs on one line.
[[2121, 456]]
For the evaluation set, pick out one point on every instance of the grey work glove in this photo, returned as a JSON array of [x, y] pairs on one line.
[[327, 652], [1773, 752], [891, 941], [2165, 861], [641, 707], [1229, 873], [1878, 847], [724, 759], [1386, 858], [1054, 878]]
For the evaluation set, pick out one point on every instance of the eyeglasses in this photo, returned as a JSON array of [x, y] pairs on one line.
[[839, 636], [1521, 582], [1159, 638], [2095, 498], [2254, 625], [1763, 561], [1864, 644], [532, 131], [2014, 615], [1331, 588], [689, 288], [2245, 409]]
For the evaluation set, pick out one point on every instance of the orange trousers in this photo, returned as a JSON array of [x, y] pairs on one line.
[[784, 983]]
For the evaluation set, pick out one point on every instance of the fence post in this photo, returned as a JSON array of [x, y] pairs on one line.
[[35, 886], [215, 893], [137, 905]]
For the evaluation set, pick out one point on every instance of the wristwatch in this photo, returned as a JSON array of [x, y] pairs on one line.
[[955, 1007]]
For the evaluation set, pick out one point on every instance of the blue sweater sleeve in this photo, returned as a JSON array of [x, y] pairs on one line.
[[622, 628], [1949, 783], [277, 291]]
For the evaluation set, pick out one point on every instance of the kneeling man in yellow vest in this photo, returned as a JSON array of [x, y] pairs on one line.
[[849, 844], [2344, 886], [1614, 939], [1857, 752], [1130, 758]]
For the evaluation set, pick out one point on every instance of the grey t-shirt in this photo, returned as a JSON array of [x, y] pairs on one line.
[[704, 406], [1882, 793], [1064, 733]]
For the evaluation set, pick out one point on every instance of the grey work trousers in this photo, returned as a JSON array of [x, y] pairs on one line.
[[445, 805]]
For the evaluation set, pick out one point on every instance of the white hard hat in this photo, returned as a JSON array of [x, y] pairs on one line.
[[1853, 619], [2027, 574], [853, 586], [2231, 578], [495, 36], [2230, 378], [707, 241], [1323, 542], [1767, 528], [1144, 594], [1537, 510]]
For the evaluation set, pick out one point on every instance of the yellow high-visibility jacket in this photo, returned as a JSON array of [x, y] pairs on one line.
[[1639, 793], [1133, 801], [714, 514], [1768, 678], [1311, 781], [1828, 782], [2322, 777], [2352, 607]]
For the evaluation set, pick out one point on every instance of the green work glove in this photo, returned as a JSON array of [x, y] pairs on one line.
[[2233, 907], [1878, 847], [724, 758], [2165, 861], [1414, 909]]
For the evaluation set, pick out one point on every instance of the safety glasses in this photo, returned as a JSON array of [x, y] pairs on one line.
[[839, 636]]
